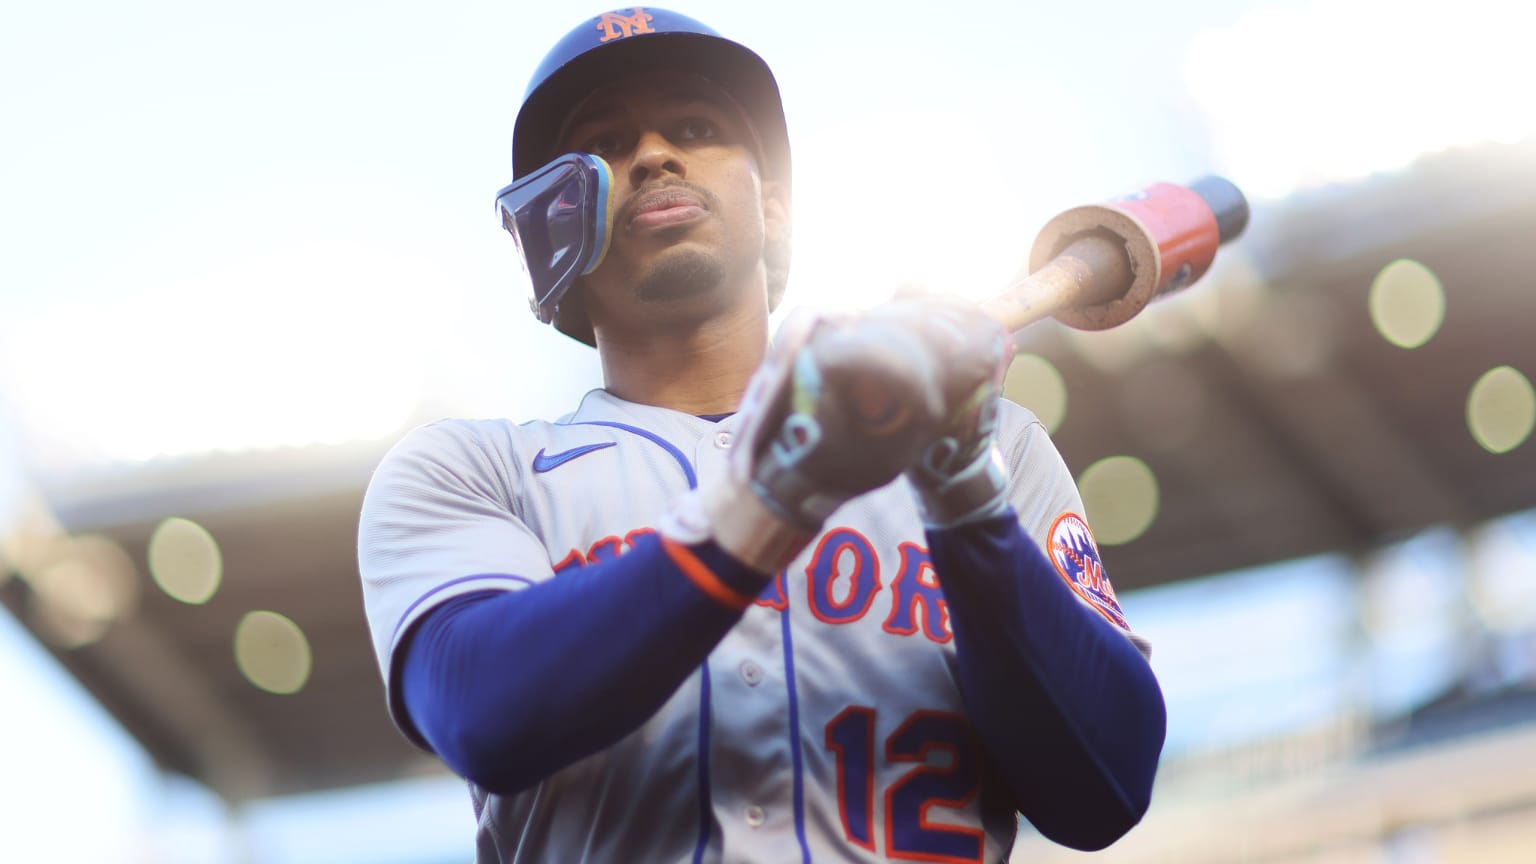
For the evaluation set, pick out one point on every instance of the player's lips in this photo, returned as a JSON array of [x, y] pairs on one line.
[[668, 205]]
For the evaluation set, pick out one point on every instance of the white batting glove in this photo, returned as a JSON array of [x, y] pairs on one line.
[[959, 477]]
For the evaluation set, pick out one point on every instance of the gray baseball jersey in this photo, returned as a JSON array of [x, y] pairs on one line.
[[826, 718]]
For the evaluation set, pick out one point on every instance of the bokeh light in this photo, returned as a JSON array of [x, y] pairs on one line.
[[1501, 409], [32, 536], [1120, 494], [1035, 383], [83, 587], [1407, 303], [272, 652], [185, 561]]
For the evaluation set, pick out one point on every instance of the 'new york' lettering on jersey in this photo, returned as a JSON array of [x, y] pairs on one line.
[[841, 575], [846, 731]]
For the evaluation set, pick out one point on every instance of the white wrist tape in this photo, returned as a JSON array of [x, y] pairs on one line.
[[736, 519]]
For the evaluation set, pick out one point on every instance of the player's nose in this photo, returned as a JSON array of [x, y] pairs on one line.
[[654, 155]]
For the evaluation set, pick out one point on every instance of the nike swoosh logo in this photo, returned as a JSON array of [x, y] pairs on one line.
[[545, 462]]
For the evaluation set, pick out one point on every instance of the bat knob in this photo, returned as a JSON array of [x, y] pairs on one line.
[[1226, 202]]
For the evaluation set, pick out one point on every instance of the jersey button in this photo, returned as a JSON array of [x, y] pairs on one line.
[[754, 816], [723, 440], [751, 673]]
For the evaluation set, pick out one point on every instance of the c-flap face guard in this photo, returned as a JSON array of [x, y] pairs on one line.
[[560, 216]]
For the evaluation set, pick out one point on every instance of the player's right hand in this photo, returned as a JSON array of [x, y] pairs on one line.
[[839, 407], [923, 372], [860, 404]]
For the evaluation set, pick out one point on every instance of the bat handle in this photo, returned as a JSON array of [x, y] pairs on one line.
[[1092, 269]]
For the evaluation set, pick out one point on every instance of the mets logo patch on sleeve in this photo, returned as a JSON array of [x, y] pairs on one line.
[[1076, 557]]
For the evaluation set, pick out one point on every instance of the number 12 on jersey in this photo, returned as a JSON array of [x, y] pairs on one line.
[[951, 782]]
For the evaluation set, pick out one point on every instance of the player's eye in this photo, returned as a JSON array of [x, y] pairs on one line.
[[605, 144], [696, 128]]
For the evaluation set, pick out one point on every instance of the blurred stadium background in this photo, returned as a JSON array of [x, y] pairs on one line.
[[245, 251]]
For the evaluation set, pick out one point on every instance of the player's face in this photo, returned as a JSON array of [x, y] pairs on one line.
[[691, 209]]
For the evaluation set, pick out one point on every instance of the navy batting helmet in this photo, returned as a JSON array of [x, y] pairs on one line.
[[613, 43]]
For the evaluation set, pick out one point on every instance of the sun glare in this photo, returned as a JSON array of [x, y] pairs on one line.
[[925, 214]]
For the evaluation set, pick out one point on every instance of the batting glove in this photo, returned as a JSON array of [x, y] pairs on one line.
[[959, 476], [839, 407]]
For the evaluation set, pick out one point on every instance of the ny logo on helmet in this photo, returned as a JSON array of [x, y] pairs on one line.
[[617, 25]]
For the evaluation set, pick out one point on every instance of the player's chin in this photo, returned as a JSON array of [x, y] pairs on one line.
[[680, 273]]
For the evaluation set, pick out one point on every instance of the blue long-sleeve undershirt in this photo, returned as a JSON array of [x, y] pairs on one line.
[[509, 687], [1066, 707]]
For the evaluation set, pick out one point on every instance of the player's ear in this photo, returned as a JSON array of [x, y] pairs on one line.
[[775, 207], [776, 234]]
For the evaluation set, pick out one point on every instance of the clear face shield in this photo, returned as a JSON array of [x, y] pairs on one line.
[[560, 216]]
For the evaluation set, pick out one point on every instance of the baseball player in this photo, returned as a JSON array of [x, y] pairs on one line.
[[824, 597]]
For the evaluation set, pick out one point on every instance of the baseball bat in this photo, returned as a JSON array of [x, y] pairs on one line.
[[1097, 266]]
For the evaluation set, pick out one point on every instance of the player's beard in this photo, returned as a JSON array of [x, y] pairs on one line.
[[682, 275]]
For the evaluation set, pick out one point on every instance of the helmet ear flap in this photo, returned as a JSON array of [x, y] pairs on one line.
[[561, 218]]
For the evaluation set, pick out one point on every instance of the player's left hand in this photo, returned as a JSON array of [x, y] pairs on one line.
[[959, 475]]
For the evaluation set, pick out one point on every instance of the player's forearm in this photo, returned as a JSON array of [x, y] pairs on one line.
[[509, 688], [1065, 704]]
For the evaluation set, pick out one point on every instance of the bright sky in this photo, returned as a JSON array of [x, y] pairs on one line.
[[230, 225], [217, 218]]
